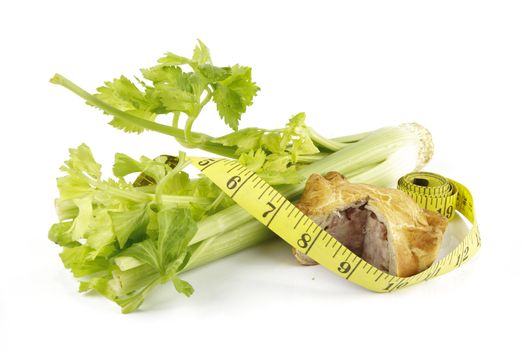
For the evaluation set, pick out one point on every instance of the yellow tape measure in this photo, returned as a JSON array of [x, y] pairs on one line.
[[273, 210], [431, 191]]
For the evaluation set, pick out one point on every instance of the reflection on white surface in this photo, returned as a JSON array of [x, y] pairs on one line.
[[457, 230]]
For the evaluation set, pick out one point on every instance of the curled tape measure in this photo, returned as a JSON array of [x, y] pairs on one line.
[[273, 210], [431, 191]]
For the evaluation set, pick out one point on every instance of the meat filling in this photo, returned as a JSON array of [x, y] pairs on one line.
[[360, 230]]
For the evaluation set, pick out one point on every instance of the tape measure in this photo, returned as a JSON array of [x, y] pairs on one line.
[[431, 191], [274, 211]]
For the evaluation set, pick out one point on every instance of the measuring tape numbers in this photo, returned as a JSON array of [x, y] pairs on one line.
[[273, 210]]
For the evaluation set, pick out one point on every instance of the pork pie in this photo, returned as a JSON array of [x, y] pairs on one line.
[[383, 226]]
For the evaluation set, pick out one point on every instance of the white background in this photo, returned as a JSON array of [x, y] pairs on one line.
[[456, 67]]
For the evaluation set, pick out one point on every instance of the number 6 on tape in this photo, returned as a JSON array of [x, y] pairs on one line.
[[272, 209]]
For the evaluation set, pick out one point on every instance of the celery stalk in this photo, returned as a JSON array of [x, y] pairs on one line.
[[376, 147]]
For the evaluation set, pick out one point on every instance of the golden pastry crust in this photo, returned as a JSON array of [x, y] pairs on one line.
[[414, 234]]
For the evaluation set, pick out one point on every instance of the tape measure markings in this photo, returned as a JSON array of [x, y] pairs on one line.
[[204, 163], [337, 251], [267, 205]]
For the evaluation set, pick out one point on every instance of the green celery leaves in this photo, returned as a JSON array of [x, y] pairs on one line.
[[273, 154], [176, 228], [181, 85], [122, 239], [233, 94]]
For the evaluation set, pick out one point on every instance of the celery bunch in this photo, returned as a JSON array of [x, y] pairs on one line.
[[122, 238]]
